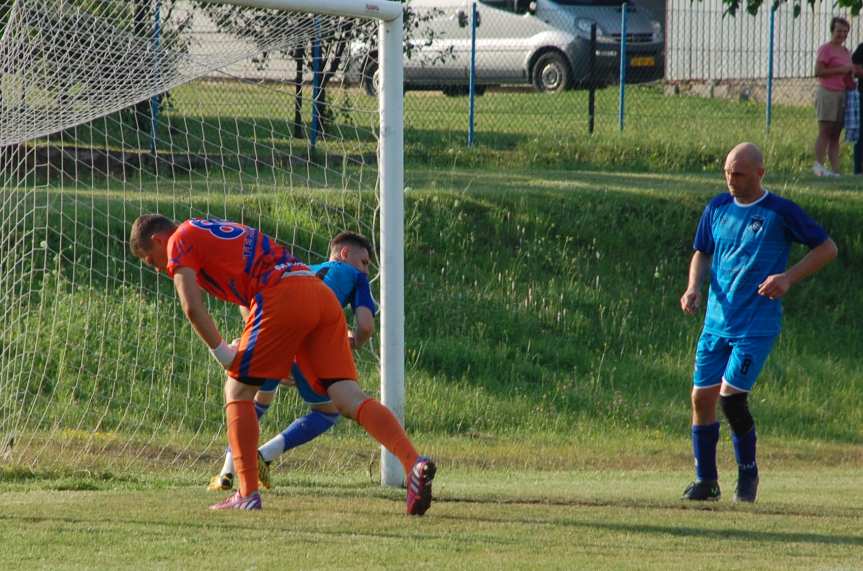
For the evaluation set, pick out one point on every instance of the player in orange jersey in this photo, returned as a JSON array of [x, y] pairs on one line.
[[291, 313], [346, 273]]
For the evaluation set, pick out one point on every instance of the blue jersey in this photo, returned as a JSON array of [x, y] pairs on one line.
[[350, 285], [748, 243]]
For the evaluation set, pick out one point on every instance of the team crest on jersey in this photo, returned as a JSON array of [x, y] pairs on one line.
[[756, 224]]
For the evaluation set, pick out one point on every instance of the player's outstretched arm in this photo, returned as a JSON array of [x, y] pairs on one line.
[[777, 285], [192, 303], [699, 268], [365, 327]]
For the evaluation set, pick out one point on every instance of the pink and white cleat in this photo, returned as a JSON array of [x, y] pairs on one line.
[[238, 502], [419, 484]]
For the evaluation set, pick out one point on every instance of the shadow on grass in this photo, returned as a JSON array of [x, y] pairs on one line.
[[781, 510], [723, 534], [748, 535], [232, 525]]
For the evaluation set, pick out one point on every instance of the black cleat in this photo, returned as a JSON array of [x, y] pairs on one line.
[[221, 482], [702, 491], [747, 488], [263, 472], [419, 485]]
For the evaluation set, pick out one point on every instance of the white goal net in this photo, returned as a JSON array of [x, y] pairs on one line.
[[114, 108]]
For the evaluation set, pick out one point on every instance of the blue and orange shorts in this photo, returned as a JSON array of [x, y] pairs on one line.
[[300, 318]]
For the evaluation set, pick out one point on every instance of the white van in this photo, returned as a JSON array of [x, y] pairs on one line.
[[545, 43]]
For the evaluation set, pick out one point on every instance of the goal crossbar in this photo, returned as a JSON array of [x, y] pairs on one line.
[[385, 10]]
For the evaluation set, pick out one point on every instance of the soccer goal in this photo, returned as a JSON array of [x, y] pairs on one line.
[[251, 110]]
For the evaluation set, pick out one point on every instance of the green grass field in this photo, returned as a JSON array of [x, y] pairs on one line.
[[548, 372], [504, 516]]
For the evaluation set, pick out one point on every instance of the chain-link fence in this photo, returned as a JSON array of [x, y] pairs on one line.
[[541, 84], [703, 73], [538, 82]]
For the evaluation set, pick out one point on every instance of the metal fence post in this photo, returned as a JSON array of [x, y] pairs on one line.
[[591, 81], [154, 101], [299, 61], [472, 78], [316, 83], [622, 98], [769, 111]]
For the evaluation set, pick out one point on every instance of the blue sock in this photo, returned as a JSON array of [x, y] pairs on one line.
[[307, 427], [704, 439], [744, 450], [261, 409]]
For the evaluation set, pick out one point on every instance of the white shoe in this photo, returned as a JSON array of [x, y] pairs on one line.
[[819, 170]]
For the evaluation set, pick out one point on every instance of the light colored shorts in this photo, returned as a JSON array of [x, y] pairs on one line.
[[829, 105]]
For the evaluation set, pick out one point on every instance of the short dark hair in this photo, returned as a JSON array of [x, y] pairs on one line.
[[146, 226], [838, 20], [348, 238]]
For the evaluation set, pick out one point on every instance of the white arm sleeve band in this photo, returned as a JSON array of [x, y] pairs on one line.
[[224, 353]]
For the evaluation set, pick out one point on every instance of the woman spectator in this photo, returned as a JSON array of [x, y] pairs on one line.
[[834, 70]]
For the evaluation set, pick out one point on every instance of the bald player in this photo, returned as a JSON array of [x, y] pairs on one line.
[[741, 247]]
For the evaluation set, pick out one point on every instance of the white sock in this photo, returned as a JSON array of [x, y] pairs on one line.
[[273, 448], [228, 467]]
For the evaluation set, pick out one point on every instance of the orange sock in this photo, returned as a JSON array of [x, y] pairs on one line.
[[383, 426], [243, 433]]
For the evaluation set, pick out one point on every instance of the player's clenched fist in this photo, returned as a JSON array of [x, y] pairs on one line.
[[690, 301]]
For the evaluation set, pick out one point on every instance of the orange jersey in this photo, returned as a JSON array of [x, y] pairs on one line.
[[233, 262]]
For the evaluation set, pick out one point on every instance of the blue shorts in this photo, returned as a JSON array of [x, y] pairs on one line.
[[306, 393], [310, 397], [735, 360], [269, 386]]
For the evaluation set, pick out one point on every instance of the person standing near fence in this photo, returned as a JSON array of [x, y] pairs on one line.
[[857, 59], [834, 69]]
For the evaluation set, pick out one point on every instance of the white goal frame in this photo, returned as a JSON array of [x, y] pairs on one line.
[[390, 15]]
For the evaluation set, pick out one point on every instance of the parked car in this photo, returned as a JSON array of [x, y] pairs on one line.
[[544, 43]]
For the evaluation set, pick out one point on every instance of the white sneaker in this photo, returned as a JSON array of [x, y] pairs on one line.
[[819, 170]]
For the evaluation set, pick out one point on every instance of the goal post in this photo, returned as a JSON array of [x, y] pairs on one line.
[[392, 233], [78, 162]]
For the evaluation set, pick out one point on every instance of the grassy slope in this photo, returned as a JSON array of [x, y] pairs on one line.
[[536, 304], [567, 289]]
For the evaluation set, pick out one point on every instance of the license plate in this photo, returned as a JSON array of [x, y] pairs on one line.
[[643, 61]]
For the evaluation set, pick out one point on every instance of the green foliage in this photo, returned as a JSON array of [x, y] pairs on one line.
[[560, 306], [753, 6]]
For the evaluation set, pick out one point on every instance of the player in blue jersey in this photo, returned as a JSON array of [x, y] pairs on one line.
[[346, 273], [742, 244]]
